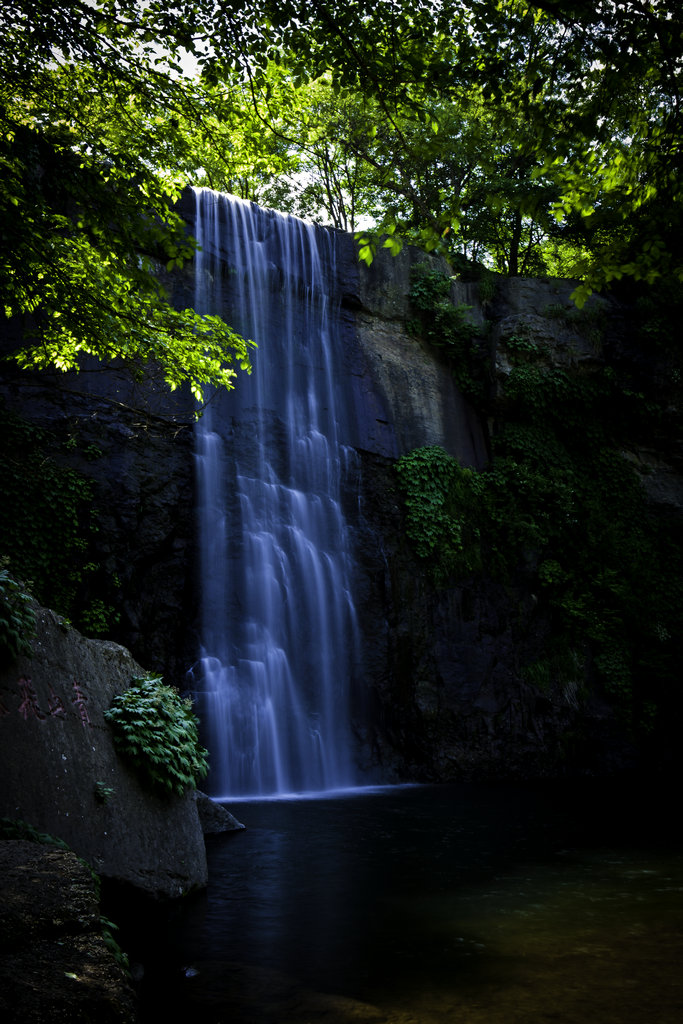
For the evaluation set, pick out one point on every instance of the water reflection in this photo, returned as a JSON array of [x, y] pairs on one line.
[[472, 905]]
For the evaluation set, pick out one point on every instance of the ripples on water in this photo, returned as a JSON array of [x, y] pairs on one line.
[[428, 905]]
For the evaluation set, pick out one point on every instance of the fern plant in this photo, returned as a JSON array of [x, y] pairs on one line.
[[156, 730]]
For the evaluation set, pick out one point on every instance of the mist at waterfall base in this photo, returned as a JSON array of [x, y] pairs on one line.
[[459, 904], [278, 635]]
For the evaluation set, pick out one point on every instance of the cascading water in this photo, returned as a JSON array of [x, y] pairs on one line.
[[278, 622]]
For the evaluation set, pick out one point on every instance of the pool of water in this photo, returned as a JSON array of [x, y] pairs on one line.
[[465, 904]]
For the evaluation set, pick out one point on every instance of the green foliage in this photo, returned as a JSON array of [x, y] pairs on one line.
[[561, 667], [560, 511], [521, 349], [587, 320], [98, 617], [529, 137], [91, 164], [574, 525], [560, 490], [658, 311], [156, 730], [16, 828], [447, 327], [487, 287], [17, 618], [291, 147], [108, 928], [442, 501]]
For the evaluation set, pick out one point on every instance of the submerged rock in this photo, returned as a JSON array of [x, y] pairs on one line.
[[214, 817]]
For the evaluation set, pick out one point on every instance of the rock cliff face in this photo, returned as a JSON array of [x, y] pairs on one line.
[[404, 394], [62, 775], [442, 672], [441, 694]]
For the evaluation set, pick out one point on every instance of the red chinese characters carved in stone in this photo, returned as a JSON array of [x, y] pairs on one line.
[[56, 705], [79, 700], [29, 706]]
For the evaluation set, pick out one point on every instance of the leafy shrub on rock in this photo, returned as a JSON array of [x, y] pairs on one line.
[[156, 730]]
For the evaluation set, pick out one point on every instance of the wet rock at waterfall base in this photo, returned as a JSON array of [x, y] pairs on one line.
[[214, 817], [55, 965]]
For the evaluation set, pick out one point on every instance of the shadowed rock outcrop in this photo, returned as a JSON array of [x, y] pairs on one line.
[[62, 775], [55, 965]]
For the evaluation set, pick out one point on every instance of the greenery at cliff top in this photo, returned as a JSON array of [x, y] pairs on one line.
[[156, 730], [533, 137]]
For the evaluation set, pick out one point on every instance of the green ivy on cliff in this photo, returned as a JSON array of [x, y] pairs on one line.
[[442, 503]]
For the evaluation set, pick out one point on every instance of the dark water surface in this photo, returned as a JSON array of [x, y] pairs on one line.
[[467, 904]]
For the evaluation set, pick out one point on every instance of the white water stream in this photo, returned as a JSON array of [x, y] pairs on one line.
[[278, 643]]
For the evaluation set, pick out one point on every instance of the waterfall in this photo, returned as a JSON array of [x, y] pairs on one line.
[[278, 628]]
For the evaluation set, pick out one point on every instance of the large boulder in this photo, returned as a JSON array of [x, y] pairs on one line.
[[62, 774]]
